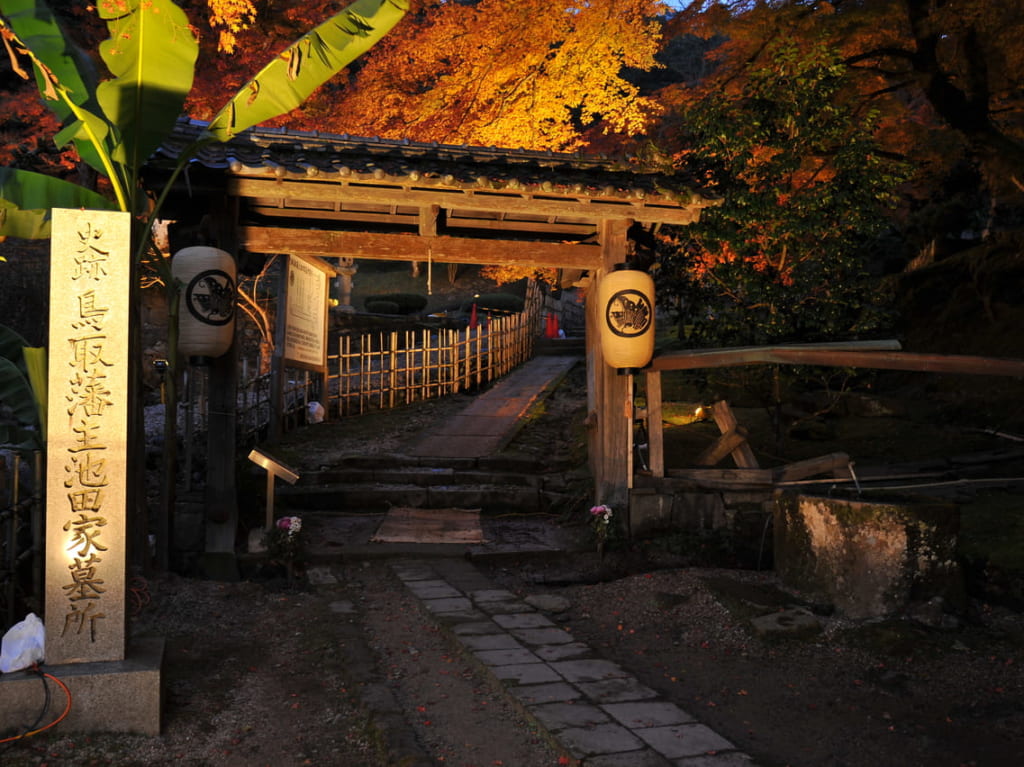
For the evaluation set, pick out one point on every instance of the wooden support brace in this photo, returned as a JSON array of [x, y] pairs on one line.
[[723, 446], [742, 454]]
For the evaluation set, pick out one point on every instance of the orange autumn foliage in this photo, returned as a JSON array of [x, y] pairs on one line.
[[491, 72]]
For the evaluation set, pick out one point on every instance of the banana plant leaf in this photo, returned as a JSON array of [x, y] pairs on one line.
[[37, 29], [35, 362], [152, 53], [16, 394], [290, 78], [26, 199], [11, 344]]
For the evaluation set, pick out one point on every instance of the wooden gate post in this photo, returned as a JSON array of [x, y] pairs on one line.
[[609, 406]]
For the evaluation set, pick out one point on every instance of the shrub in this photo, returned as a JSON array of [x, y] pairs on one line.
[[375, 305], [405, 303]]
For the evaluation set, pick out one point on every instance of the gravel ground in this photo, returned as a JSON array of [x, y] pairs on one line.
[[355, 673], [856, 694]]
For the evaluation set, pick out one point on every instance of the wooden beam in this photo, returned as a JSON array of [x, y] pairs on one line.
[[690, 359], [592, 208], [412, 247], [836, 465], [298, 217], [742, 454], [655, 427], [726, 443], [724, 479], [839, 357]]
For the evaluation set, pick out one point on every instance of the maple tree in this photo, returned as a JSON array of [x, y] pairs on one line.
[[942, 76], [805, 191], [488, 72]]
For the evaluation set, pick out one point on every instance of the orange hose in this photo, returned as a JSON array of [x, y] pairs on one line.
[[67, 710]]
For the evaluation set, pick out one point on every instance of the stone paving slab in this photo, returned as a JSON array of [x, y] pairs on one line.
[[647, 713], [490, 642], [593, 708], [684, 740], [559, 716], [506, 657]]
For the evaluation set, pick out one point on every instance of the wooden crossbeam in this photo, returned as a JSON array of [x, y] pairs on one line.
[[881, 355]]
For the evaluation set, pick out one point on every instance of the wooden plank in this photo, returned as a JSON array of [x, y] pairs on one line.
[[723, 446], [724, 479], [833, 355], [835, 464], [743, 455], [412, 247]]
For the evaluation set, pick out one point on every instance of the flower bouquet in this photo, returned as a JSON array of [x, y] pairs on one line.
[[284, 542], [601, 521]]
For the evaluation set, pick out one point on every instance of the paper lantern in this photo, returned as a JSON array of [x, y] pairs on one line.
[[206, 309], [626, 299]]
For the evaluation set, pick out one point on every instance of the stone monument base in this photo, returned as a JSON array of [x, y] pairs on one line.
[[106, 696]]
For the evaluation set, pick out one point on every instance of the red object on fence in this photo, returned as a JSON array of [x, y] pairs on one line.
[[472, 317]]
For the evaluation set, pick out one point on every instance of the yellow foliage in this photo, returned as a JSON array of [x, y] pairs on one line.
[[233, 16], [510, 73], [508, 273]]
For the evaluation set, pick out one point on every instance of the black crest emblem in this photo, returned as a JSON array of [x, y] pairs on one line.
[[629, 313], [210, 297]]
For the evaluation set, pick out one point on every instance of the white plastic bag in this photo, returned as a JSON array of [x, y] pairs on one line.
[[23, 644]]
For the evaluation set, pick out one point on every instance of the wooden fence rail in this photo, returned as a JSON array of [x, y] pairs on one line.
[[376, 371]]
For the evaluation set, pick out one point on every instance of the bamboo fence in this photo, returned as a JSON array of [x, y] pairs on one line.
[[377, 371]]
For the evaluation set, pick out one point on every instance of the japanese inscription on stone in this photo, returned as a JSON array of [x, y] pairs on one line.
[[87, 440]]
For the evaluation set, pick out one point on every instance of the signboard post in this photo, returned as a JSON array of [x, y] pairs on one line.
[[301, 327]]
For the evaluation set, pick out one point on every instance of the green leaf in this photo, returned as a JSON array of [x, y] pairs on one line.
[[26, 224], [16, 394], [11, 344], [35, 362], [37, 29], [76, 132], [151, 52], [26, 199], [290, 78]]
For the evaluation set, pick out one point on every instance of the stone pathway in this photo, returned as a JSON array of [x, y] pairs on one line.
[[490, 421], [598, 712]]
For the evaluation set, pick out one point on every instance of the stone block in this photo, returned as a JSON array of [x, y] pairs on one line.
[[870, 558], [106, 696]]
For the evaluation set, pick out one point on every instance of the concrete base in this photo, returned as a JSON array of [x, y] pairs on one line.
[[109, 696]]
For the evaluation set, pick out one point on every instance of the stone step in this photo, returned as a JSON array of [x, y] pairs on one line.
[[377, 497], [506, 483], [433, 476]]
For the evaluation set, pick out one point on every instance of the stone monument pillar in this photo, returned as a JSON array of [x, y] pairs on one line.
[[87, 439], [113, 687]]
